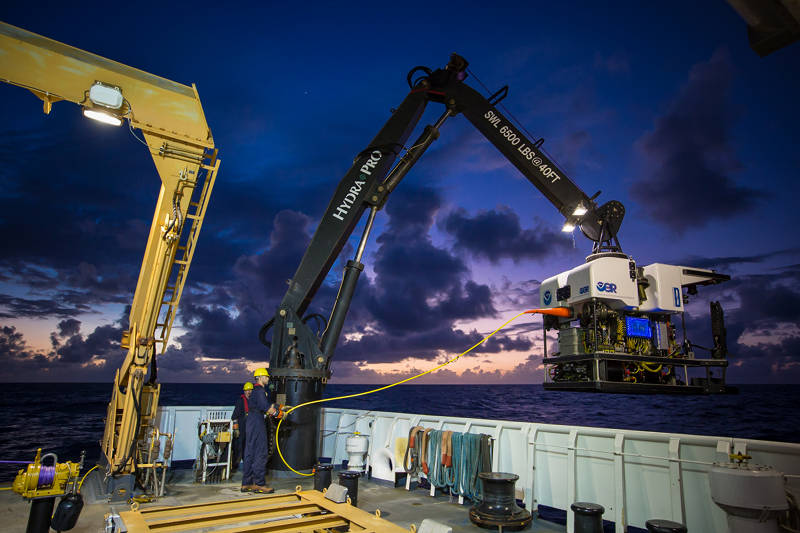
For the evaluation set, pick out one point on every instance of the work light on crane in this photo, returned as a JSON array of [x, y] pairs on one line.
[[107, 102]]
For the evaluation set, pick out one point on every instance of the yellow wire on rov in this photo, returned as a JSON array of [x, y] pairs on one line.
[[277, 429]]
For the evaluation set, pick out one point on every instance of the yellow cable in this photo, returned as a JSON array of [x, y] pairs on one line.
[[6, 488], [84, 477], [286, 414], [647, 367]]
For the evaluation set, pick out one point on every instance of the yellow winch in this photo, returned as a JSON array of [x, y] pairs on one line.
[[39, 480]]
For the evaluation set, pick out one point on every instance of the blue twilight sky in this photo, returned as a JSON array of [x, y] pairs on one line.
[[662, 106]]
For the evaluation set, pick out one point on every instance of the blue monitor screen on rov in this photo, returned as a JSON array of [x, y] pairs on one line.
[[637, 327]]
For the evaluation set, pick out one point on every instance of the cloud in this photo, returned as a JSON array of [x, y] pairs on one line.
[[69, 327], [419, 286], [64, 293], [14, 348], [689, 158], [496, 234], [729, 261], [409, 306], [517, 294], [102, 343], [222, 321], [529, 371], [406, 306], [762, 313], [16, 307]]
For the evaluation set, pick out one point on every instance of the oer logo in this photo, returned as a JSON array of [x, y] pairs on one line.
[[548, 297], [606, 287]]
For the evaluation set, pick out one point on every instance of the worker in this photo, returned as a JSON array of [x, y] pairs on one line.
[[239, 418], [256, 449]]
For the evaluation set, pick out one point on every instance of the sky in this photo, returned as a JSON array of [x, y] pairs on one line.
[[662, 106]]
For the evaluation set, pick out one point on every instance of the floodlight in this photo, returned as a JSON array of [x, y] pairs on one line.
[[568, 227], [106, 95], [579, 211], [103, 117]]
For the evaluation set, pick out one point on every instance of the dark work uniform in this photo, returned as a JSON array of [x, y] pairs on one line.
[[240, 416], [256, 450]]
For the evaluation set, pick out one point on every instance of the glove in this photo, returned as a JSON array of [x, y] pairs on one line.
[[236, 433]]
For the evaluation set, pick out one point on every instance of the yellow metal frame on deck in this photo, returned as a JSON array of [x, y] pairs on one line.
[[300, 511], [174, 128]]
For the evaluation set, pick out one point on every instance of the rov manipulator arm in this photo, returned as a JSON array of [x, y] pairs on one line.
[[299, 358]]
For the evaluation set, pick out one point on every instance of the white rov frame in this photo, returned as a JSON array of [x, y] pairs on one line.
[[635, 475]]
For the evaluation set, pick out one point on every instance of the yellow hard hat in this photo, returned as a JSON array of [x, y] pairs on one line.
[[260, 372], [248, 386]]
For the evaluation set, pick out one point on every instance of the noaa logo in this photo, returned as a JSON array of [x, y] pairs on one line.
[[606, 287], [548, 297], [584, 290]]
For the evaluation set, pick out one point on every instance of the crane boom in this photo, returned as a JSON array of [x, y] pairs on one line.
[[174, 128], [299, 359]]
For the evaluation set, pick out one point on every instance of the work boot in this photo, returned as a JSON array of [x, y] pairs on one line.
[[247, 488], [261, 489]]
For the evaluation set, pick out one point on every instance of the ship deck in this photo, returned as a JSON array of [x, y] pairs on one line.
[[397, 505]]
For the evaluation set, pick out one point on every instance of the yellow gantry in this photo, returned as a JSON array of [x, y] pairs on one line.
[[173, 125]]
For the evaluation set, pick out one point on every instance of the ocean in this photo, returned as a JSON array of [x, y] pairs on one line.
[[66, 418]]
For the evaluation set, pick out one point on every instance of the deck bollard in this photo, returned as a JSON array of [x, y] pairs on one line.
[[588, 517], [499, 509], [322, 476], [664, 526], [349, 479]]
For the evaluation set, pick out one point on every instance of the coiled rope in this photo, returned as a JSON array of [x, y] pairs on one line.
[[470, 467], [435, 466], [46, 476]]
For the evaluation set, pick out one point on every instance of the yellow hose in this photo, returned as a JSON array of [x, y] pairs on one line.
[[84, 477], [646, 367], [277, 442]]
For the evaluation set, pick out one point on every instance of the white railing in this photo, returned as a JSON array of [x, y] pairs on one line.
[[635, 475]]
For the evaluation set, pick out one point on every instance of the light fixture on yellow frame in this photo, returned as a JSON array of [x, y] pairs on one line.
[[106, 104]]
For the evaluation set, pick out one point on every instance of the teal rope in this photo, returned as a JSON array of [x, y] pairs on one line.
[[470, 467], [458, 460], [462, 477], [435, 459]]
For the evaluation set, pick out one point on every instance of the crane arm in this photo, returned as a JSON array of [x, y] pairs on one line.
[[300, 358], [529, 158], [353, 195], [372, 178], [174, 128]]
